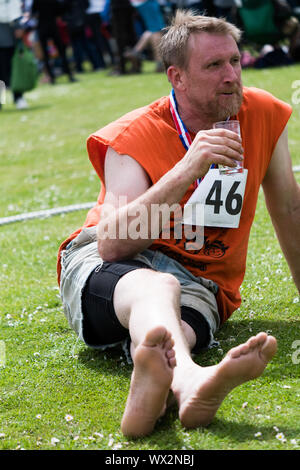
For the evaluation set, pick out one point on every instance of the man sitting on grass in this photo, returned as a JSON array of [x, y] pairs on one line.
[[122, 277]]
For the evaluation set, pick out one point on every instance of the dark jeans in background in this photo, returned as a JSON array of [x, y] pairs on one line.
[[123, 31], [6, 55], [45, 33], [94, 22]]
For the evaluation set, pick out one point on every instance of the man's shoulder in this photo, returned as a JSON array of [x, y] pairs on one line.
[[136, 119], [261, 102], [255, 98]]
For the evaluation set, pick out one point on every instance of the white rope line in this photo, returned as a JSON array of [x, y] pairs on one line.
[[45, 213], [61, 210]]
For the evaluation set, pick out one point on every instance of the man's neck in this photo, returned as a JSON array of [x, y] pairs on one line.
[[195, 123], [194, 120]]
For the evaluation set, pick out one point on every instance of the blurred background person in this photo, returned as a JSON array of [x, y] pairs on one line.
[[123, 30], [10, 33], [197, 6], [47, 12], [95, 24], [74, 17], [153, 20], [225, 9]]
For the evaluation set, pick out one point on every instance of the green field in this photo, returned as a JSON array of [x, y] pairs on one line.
[[55, 393]]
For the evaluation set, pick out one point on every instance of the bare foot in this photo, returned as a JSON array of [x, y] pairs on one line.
[[201, 390], [154, 361]]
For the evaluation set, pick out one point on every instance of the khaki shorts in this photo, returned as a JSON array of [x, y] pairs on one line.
[[81, 258]]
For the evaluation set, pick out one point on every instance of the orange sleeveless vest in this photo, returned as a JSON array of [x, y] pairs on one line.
[[149, 136]]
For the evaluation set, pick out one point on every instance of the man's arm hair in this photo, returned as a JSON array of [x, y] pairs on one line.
[[128, 190]]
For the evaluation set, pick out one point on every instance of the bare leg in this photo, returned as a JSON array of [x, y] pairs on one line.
[[143, 42], [148, 303], [155, 40]]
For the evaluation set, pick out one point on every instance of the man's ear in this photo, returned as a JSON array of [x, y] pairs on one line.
[[176, 77]]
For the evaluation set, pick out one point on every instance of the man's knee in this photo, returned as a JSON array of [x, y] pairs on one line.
[[169, 282], [144, 286], [154, 283]]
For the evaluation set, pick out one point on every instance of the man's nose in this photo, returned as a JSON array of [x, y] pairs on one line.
[[231, 73]]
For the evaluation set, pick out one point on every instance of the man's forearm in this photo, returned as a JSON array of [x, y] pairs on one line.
[[133, 227]]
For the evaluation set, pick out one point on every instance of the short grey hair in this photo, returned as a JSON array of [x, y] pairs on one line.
[[173, 45]]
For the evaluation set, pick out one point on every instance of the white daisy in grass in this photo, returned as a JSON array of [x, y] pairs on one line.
[[68, 418], [280, 437]]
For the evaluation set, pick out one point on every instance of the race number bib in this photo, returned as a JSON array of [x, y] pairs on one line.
[[217, 201]]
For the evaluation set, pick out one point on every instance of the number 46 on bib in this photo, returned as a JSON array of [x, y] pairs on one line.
[[217, 201]]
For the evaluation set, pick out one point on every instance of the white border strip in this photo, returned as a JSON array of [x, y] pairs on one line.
[[46, 213], [62, 210]]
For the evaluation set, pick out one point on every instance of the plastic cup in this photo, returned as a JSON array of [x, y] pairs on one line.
[[233, 126]]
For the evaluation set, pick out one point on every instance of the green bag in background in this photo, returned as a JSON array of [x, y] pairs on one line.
[[24, 73]]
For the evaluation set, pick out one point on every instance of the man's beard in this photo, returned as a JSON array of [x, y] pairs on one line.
[[222, 112], [214, 111]]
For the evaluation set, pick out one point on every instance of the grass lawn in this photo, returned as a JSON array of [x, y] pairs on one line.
[[55, 393]]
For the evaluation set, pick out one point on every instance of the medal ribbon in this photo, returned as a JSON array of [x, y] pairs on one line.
[[181, 129]]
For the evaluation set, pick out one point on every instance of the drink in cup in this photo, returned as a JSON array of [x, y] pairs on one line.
[[233, 126]]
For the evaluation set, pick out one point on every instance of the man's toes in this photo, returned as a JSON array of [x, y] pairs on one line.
[[261, 338], [239, 351], [172, 362], [170, 353], [269, 348], [167, 337], [257, 341], [234, 353], [253, 342], [169, 344]]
